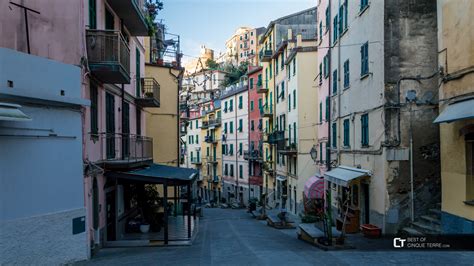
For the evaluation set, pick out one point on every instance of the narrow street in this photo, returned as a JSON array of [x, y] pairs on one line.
[[232, 237]]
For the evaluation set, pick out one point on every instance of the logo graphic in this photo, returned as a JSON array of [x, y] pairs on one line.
[[398, 242]]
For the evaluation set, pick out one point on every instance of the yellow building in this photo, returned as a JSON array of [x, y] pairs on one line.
[[211, 148], [265, 58], [272, 39], [161, 82], [456, 117]]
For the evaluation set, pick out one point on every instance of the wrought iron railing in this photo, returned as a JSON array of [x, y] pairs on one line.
[[150, 89], [107, 47], [265, 55], [124, 147]]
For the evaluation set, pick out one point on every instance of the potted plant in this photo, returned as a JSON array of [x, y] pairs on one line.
[[144, 227]]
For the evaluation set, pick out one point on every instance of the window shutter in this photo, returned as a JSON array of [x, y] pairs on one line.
[[327, 108]]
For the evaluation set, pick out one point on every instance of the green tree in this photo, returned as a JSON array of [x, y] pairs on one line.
[[211, 64], [233, 74]]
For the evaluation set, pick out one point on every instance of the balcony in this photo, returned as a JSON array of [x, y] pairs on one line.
[[150, 93], [124, 151], [265, 55], [253, 155], [132, 12], [211, 123], [268, 168], [212, 159], [261, 88], [196, 161], [215, 122], [276, 137], [291, 150], [210, 139], [108, 56], [265, 111]]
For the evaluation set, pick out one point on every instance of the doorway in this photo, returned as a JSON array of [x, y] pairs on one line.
[[365, 206], [111, 228]]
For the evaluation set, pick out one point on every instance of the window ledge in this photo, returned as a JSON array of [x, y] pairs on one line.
[[365, 146], [362, 11], [348, 87], [364, 76], [469, 202]]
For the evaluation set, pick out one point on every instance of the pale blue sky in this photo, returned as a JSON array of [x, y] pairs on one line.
[[212, 22]]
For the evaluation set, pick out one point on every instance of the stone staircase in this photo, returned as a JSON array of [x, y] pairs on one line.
[[428, 224]]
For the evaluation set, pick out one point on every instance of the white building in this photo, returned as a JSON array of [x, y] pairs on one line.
[[42, 212], [234, 106], [193, 147], [376, 44]]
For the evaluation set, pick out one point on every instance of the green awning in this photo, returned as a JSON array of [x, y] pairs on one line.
[[12, 112], [158, 174]]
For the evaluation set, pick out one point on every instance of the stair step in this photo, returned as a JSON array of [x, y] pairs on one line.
[[436, 212], [431, 219], [412, 231], [426, 228]]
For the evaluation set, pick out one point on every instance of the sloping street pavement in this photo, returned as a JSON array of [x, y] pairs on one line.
[[232, 237]]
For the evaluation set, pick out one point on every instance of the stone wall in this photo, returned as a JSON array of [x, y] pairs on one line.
[[48, 239], [411, 51]]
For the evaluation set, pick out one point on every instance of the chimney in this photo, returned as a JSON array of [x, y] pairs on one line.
[[290, 34], [299, 40]]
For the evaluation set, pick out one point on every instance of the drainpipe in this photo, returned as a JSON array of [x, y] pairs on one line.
[[236, 145], [339, 92], [328, 144]]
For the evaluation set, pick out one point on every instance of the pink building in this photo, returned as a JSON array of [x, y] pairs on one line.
[[255, 151], [324, 78], [103, 39]]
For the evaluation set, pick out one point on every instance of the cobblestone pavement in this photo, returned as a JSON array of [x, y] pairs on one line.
[[232, 237]]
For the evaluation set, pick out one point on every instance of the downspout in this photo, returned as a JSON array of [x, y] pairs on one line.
[[179, 82], [236, 145], [328, 143], [338, 91]]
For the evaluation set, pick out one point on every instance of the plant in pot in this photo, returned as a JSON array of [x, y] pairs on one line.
[[149, 94]]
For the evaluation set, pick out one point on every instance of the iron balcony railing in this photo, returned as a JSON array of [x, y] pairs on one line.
[[195, 160], [108, 56], [133, 15], [266, 111], [122, 148], [215, 122], [252, 155], [276, 137], [291, 149], [210, 139], [211, 159], [265, 55], [150, 93]]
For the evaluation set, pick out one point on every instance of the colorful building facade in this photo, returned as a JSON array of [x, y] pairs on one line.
[[456, 125]]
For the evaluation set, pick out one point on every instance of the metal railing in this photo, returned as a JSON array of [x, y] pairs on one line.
[[108, 47], [265, 55], [266, 111], [210, 139], [124, 147], [150, 89], [196, 160]]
